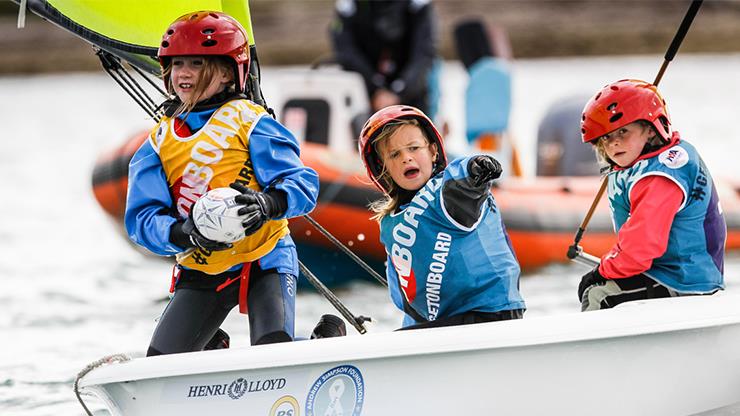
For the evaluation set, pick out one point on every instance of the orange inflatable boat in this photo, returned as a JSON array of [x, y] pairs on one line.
[[540, 214]]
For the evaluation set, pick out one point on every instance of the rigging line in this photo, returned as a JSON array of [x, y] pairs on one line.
[[356, 321], [109, 67], [347, 251], [114, 63], [116, 77], [140, 91], [134, 97], [150, 81], [136, 86]]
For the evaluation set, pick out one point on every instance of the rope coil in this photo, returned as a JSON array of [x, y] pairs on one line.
[[108, 359]]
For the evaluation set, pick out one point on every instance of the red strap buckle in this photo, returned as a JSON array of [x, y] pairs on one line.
[[175, 275]]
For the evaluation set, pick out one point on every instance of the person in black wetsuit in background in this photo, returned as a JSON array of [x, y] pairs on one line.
[[392, 44]]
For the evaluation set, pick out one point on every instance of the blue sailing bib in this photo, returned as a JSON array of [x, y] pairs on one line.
[[694, 259], [443, 268]]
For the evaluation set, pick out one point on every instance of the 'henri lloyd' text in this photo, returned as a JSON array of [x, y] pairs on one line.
[[236, 388]]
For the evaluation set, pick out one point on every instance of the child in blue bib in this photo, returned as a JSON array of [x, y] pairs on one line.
[[450, 260]]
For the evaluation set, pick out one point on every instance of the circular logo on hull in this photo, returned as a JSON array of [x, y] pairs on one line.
[[285, 406], [338, 392]]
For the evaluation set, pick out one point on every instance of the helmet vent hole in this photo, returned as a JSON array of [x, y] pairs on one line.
[[170, 32], [611, 106], [597, 96], [214, 15], [583, 117], [209, 42], [209, 31], [615, 117], [614, 88], [583, 131], [165, 44]]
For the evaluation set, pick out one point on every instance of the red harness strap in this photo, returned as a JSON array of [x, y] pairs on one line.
[[243, 279], [175, 276]]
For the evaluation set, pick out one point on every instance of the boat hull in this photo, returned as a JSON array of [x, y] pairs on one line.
[[658, 357]]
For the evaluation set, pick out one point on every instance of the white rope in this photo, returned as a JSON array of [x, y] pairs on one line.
[[110, 359], [22, 14]]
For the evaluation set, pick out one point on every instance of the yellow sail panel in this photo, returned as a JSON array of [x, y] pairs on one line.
[[142, 22], [239, 10]]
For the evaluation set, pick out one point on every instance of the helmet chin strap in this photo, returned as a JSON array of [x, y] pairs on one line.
[[650, 147]]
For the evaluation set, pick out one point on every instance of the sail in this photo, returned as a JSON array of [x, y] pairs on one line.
[[131, 29]]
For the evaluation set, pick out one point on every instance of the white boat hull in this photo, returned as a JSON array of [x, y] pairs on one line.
[[659, 357]]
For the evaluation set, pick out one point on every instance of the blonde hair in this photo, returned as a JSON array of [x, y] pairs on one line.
[[211, 66], [655, 141], [391, 200]]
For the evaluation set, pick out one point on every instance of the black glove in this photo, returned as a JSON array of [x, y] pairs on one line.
[[329, 326], [259, 207], [185, 234], [589, 279], [484, 169]]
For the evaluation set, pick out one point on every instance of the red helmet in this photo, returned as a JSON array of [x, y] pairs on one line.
[[621, 103], [374, 125], [207, 33]]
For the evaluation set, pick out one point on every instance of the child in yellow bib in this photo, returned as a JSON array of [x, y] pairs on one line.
[[212, 136]]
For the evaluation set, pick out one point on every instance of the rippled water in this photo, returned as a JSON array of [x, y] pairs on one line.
[[73, 290]]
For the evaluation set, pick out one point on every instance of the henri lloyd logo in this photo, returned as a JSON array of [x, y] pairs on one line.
[[338, 392], [236, 389]]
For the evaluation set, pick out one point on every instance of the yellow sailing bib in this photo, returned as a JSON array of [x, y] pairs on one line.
[[213, 157]]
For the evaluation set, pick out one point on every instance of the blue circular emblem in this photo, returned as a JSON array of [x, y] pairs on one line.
[[339, 391]]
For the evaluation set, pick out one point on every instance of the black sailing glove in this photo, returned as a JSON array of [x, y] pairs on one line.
[[483, 169], [589, 279], [259, 207], [185, 234]]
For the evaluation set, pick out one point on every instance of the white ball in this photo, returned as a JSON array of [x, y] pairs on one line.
[[215, 215]]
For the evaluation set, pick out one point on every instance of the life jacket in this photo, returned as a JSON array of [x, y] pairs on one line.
[[694, 258], [213, 157], [438, 267]]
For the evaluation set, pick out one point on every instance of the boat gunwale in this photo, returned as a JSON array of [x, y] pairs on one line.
[[614, 323]]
